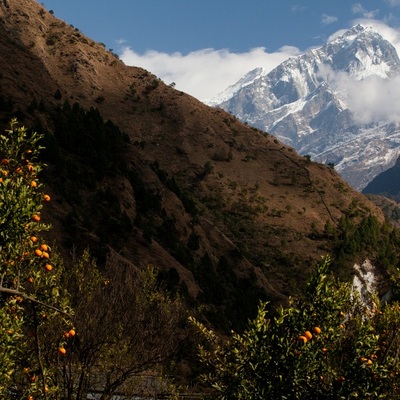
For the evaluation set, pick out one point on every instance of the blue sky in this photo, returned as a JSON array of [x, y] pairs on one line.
[[206, 45]]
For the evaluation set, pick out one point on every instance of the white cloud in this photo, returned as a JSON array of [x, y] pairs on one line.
[[207, 72], [374, 99], [297, 8], [358, 8], [335, 35], [371, 99], [394, 2], [328, 19]]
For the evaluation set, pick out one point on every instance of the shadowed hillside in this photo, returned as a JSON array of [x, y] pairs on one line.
[[228, 213]]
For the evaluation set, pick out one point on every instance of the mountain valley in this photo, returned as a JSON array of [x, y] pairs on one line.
[[230, 215]]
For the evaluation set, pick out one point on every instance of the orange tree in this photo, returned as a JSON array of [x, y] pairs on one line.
[[325, 345], [34, 310]]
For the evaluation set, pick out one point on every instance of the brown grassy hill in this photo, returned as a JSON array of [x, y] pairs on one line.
[[228, 213]]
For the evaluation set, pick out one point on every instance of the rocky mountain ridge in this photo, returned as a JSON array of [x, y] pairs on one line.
[[313, 102]]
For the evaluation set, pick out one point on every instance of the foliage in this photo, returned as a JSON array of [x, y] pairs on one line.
[[127, 323], [86, 134], [34, 309], [367, 237], [324, 345]]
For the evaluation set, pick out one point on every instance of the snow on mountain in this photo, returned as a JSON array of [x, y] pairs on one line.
[[246, 80], [336, 103]]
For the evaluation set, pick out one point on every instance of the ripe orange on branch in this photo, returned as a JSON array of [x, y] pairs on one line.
[[38, 252], [303, 339], [62, 351], [48, 267]]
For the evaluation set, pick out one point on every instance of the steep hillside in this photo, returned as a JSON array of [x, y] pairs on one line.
[[390, 208], [387, 183], [228, 213]]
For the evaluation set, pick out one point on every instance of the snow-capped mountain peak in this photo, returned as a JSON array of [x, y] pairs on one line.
[[329, 103]]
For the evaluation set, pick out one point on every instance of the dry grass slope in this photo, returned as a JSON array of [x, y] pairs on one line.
[[233, 208]]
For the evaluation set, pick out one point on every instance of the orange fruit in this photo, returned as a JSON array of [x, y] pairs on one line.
[[62, 351], [303, 339], [46, 254], [4, 161], [30, 280], [317, 330], [44, 247], [48, 267], [324, 349], [38, 252], [341, 326], [72, 332], [369, 362], [36, 217], [46, 197], [33, 184], [308, 335], [33, 239]]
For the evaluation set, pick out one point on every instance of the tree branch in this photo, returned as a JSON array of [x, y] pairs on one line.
[[13, 292], [38, 352]]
